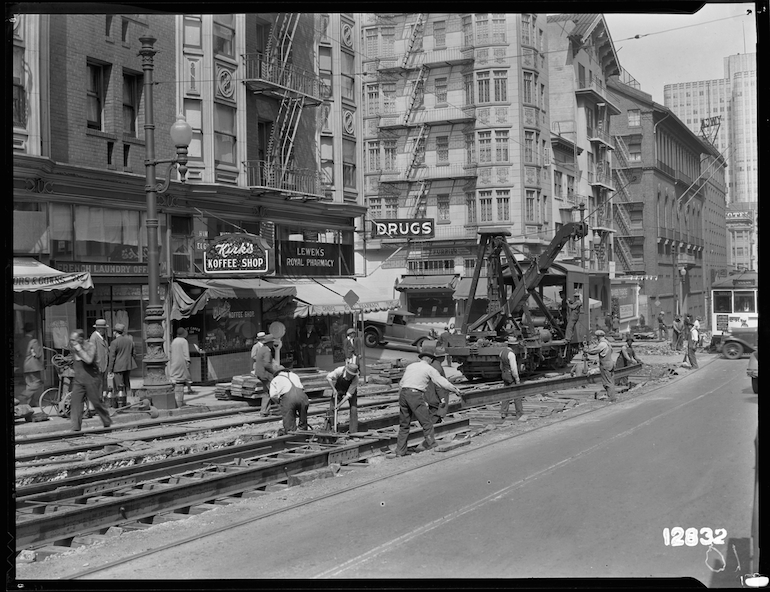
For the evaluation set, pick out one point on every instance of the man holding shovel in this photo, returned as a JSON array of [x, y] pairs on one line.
[[344, 381]]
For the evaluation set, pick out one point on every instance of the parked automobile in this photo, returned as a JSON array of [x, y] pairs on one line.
[[753, 371], [397, 328], [739, 341], [643, 332]]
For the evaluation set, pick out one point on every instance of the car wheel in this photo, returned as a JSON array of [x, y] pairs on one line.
[[755, 385], [371, 338], [732, 351]]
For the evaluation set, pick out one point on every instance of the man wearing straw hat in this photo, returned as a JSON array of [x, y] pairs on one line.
[[263, 368], [99, 339], [344, 381]]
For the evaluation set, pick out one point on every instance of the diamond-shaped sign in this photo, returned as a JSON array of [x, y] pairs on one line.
[[350, 298]]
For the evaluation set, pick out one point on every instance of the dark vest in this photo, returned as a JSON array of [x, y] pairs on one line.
[[343, 383]]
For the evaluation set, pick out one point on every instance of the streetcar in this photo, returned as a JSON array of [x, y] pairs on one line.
[[734, 301]]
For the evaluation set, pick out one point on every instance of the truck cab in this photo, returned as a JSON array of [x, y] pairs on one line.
[[397, 327]]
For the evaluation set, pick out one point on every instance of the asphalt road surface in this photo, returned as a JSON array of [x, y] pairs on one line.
[[588, 497]]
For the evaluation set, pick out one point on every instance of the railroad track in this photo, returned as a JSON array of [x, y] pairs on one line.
[[58, 513]]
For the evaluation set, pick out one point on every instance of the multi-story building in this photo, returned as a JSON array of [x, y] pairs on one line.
[[725, 112], [272, 99], [676, 190], [742, 233], [456, 130], [581, 57]]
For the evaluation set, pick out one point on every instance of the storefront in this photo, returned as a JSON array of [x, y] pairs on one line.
[[44, 298], [429, 297]]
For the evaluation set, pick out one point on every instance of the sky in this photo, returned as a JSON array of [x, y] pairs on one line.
[[692, 51]]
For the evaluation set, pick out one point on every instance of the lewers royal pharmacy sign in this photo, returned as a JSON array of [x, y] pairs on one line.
[[237, 253]]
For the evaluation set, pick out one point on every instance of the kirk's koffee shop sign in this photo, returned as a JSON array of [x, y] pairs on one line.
[[238, 253]]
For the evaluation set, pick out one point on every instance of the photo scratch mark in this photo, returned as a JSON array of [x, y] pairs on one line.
[[721, 558], [737, 559]]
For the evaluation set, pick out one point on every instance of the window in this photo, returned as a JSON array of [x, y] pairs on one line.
[[224, 34], [485, 147], [530, 206], [372, 99], [375, 208], [124, 31], [498, 28], [224, 134], [131, 86], [108, 25], [467, 31], [389, 149], [558, 184], [371, 41], [19, 92], [503, 205], [635, 152], [527, 94], [542, 97], [470, 149], [192, 31], [470, 208], [526, 28], [529, 147], [483, 86], [442, 149], [348, 75], [373, 156], [441, 90], [388, 40], [439, 33], [501, 85], [95, 96], [126, 156], [501, 146], [469, 100], [442, 204], [391, 207], [482, 28], [348, 164], [485, 205], [581, 76], [389, 97], [634, 117]]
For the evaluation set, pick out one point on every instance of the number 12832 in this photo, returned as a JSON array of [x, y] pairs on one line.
[[678, 536]]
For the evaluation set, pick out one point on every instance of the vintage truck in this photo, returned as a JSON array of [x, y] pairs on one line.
[[397, 327]]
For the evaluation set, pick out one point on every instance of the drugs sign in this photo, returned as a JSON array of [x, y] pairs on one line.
[[403, 228]]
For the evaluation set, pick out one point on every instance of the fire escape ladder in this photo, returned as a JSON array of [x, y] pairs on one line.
[[622, 153], [417, 89], [623, 252], [418, 150], [416, 200], [413, 37], [281, 37]]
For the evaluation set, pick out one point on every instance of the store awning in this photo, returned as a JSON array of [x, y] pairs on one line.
[[55, 287], [463, 289], [427, 282], [183, 305], [324, 296]]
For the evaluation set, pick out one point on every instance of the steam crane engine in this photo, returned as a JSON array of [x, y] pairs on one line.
[[536, 342]]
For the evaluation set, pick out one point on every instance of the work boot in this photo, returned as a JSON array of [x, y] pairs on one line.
[[121, 401], [179, 394]]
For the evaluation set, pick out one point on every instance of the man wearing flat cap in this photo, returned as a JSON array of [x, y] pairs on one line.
[[264, 368], [344, 381], [351, 347], [603, 349], [573, 314], [121, 363], [99, 339]]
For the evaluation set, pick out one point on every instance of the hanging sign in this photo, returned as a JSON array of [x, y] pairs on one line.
[[237, 253], [403, 228]]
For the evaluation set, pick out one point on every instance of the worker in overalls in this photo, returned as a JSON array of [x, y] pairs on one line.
[[344, 382], [509, 368], [436, 396], [606, 365], [286, 389]]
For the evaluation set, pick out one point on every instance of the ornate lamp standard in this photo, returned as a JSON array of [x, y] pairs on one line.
[[154, 368], [682, 275]]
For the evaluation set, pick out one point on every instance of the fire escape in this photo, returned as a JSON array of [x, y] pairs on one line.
[[272, 74], [622, 218]]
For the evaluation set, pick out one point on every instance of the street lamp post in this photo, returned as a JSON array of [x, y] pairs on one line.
[[682, 275], [156, 383]]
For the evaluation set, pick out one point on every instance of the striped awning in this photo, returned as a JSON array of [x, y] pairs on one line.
[[427, 282]]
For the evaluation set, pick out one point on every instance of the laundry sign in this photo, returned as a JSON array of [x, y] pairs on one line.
[[237, 253]]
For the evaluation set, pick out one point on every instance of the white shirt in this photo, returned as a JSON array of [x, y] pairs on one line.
[[282, 383], [514, 365]]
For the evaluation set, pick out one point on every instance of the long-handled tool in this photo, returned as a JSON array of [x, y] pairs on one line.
[[143, 405]]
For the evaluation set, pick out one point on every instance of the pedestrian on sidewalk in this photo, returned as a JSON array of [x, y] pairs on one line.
[[678, 333], [286, 389], [121, 363], [86, 381], [351, 346], [179, 365], [33, 367], [692, 344], [603, 349], [99, 339], [662, 330], [411, 402], [344, 382], [509, 368]]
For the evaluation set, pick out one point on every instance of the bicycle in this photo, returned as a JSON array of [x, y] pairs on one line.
[[56, 400]]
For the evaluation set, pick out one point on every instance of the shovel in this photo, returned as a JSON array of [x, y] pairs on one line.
[[143, 405]]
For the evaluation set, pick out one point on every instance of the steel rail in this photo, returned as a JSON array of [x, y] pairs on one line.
[[71, 519]]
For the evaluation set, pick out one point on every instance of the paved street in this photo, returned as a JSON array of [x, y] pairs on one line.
[[589, 497]]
